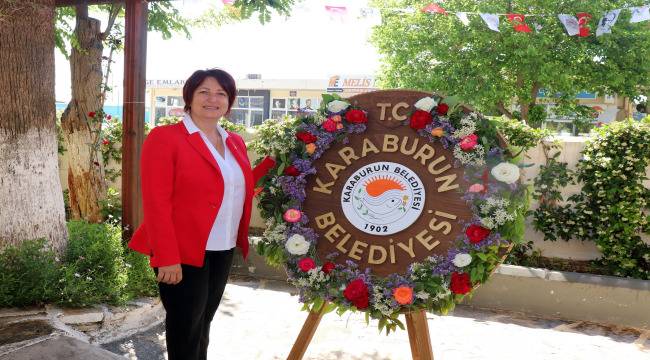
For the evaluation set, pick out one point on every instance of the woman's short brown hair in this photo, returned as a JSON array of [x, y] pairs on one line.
[[224, 79]]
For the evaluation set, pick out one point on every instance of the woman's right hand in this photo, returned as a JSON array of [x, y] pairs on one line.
[[172, 274]]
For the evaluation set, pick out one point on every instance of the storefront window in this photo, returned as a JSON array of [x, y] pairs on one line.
[[248, 110]]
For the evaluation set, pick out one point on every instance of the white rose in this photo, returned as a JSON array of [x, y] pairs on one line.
[[425, 104], [506, 172], [462, 260], [337, 106], [297, 245]]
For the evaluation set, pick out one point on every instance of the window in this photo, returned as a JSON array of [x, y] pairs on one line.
[[168, 106], [248, 110], [291, 106]]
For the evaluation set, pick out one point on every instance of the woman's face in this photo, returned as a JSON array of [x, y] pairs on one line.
[[210, 100]]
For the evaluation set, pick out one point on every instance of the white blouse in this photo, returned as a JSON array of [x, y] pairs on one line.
[[223, 235]]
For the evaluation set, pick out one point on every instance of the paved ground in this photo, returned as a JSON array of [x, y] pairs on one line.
[[260, 320]]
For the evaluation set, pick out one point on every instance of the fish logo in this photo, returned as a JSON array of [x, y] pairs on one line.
[[383, 195], [382, 198]]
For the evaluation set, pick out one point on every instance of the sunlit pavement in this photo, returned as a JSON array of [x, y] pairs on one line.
[[261, 319]]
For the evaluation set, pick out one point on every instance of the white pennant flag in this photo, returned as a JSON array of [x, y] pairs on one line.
[[462, 16], [492, 21], [640, 13], [570, 24], [606, 22]]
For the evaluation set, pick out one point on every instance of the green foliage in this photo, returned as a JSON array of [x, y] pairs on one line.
[[610, 209], [165, 18], [263, 8], [536, 116], [111, 207], [28, 274], [141, 278], [488, 69], [111, 147], [520, 136], [93, 268]]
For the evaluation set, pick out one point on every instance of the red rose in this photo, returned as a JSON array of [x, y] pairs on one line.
[[442, 109], [109, 117], [91, 114], [460, 283], [328, 267], [357, 293], [476, 233], [306, 137], [356, 116], [420, 119], [105, 142], [329, 125], [291, 171], [306, 264]]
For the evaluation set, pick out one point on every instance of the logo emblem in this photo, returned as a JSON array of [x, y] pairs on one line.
[[382, 198]]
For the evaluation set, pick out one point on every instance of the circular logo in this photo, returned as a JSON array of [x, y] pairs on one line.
[[382, 198]]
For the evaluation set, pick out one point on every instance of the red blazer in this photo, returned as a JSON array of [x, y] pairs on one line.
[[182, 191]]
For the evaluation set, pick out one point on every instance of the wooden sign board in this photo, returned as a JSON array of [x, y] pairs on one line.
[[389, 197]]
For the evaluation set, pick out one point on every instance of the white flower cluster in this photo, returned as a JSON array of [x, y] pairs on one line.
[[315, 279], [467, 126], [275, 232], [494, 212], [380, 302], [475, 157]]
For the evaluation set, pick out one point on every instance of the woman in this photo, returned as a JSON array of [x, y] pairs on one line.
[[197, 191]]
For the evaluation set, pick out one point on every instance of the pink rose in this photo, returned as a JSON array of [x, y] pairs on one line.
[[476, 188], [292, 215], [469, 142]]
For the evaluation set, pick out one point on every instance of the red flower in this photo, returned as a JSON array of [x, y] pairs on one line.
[[442, 109], [356, 116], [306, 264], [291, 171], [420, 119], [460, 283], [328, 267], [108, 117], [476, 233], [357, 293], [469, 142], [91, 114], [306, 137], [105, 142], [329, 125]]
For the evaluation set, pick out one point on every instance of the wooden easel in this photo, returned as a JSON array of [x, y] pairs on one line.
[[416, 325]]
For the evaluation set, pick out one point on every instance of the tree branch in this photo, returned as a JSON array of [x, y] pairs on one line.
[[113, 13], [503, 110]]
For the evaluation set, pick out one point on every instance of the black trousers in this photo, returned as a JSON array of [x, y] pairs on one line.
[[192, 303]]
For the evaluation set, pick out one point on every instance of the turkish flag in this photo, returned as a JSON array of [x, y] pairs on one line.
[[583, 21], [518, 22], [433, 9]]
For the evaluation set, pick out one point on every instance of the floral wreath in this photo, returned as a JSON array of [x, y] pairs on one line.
[[496, 197]]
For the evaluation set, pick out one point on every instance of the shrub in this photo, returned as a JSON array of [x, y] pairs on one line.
[[93, 270], [28, 274], [141, 278]]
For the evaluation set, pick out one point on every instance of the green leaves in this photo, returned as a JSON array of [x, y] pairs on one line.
[[434, 52], [610, 208]]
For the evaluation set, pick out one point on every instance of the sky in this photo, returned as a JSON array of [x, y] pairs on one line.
[[308, 45]]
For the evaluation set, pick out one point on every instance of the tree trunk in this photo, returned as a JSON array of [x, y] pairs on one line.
[[86, 183], [31, 200]]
